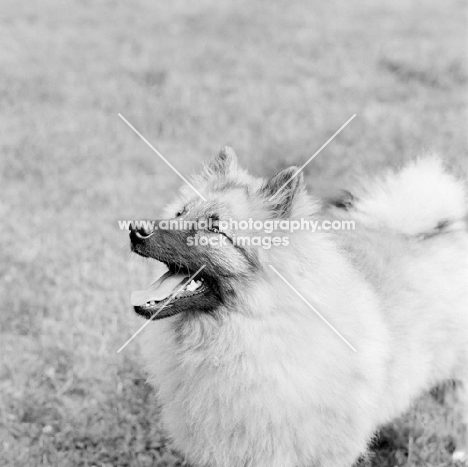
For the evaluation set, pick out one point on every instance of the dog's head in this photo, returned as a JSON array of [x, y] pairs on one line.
[[206, 264]]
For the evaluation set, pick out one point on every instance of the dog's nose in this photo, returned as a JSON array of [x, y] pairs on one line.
[[142, 229]]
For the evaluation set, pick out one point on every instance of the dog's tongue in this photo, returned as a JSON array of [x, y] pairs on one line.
[[160, 289]]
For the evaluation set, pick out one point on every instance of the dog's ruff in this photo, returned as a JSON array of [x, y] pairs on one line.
[[263, 382]]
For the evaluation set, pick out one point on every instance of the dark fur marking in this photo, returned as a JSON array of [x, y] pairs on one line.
[[344, 201], [172, 248], [440, 228]]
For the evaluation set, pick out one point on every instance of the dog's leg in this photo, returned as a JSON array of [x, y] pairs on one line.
[[461, 414]]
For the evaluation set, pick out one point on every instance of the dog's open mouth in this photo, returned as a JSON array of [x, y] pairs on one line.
[[159, 300]]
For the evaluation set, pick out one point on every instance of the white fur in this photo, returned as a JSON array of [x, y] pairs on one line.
[[414, 199], [268, 384]]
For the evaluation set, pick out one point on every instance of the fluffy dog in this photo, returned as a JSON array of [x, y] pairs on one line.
[[247, 373]]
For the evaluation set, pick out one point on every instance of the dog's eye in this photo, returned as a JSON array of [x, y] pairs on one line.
[[214, 227], [179, 213]]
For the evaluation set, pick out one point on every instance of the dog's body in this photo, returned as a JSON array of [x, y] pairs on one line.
[[259, 380]]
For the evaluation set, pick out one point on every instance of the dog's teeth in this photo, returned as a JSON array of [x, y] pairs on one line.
[[192, 286]]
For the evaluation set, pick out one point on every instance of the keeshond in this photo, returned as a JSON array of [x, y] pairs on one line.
[[248, 368]]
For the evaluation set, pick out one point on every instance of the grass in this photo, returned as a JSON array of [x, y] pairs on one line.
[[274, 80]]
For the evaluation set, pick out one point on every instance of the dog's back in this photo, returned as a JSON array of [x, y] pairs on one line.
[[411, 242], [265, 383]]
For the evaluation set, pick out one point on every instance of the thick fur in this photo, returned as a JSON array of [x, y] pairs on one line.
[[417, 200], [264, 382]]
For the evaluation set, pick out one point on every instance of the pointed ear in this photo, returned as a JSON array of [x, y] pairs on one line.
[[224, 162], [282, 190]]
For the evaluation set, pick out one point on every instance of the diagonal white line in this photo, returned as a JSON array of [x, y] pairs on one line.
[[314, 310], [161, 309], [162, 157], [316, 154]]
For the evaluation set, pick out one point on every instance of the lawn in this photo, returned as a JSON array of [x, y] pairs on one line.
[[272, 79]]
